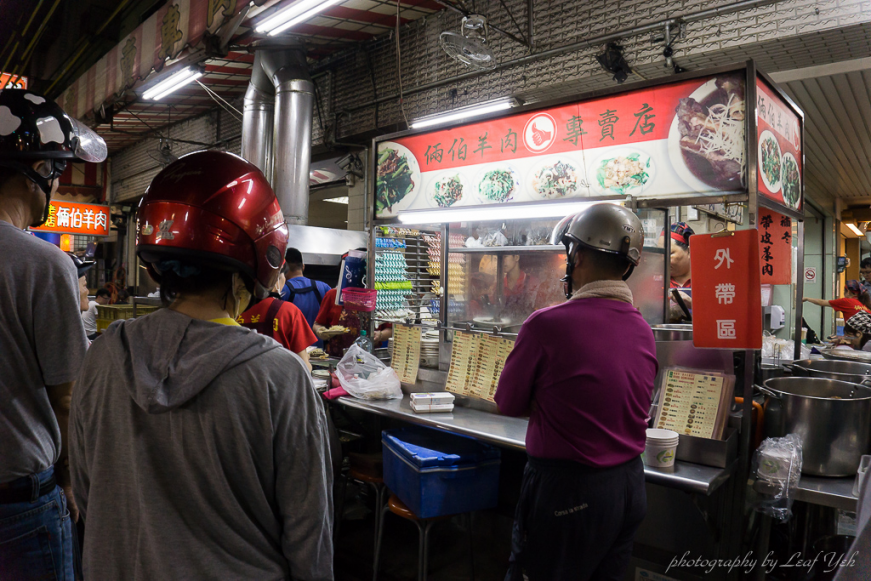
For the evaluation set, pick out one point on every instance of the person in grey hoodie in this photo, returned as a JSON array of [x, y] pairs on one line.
[[199, 448]]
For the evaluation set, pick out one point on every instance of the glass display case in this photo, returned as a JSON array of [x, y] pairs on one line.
[[499, 273], [490, 277]]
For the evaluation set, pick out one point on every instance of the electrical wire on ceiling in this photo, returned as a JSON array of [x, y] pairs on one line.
[[222, 102], [399, 67]]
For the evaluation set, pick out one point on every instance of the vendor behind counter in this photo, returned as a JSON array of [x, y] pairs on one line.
[[681, 271]]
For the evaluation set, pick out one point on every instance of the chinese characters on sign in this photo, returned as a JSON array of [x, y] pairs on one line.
[[727, 299], [575, 150], [75, 218], [775, 245], [779, 154]]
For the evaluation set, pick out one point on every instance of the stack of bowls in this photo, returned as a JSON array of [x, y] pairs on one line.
[[661, 448], [429, 349]]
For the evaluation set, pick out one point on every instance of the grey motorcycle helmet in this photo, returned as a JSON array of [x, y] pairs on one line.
[[604, 227]]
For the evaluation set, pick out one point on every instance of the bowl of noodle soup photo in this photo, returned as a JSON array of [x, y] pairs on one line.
[[706, 141]]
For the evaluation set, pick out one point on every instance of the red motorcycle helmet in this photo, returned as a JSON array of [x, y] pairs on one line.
[[215, 209]]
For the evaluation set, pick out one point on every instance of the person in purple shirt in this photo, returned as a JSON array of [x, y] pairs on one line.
[[584, 372]]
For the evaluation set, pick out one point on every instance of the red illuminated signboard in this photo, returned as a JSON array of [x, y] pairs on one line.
[[775, 247], [75, 218], [779, 147], [680, 138], [727, 296], [10, 81]]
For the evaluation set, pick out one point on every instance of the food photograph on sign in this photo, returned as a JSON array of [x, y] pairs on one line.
[[779, 148], [686, 137]]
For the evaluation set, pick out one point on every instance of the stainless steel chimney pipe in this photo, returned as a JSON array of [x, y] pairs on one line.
[[280, 138], [257, 119], [294, 104]]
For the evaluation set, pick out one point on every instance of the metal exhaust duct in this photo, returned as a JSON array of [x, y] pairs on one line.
[[286, 145], [257, 119]]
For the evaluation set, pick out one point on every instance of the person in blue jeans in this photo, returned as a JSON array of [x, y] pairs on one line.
[[42, 339], [303, 292]]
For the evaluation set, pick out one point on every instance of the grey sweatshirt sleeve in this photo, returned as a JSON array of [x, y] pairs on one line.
[[304, 479], [78, 467]]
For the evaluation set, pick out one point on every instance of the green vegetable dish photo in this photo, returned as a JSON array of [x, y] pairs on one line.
[[791, 182], [497, 185], [771, 161], [623, 173], [447, 191], [394, 180]]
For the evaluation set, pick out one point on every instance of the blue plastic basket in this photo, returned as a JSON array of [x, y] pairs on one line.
[[435, 473]]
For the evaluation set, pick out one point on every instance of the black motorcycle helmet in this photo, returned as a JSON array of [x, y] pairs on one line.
[[82, 266], [32, 128]]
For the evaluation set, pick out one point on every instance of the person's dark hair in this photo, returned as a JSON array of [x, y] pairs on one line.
[[863, 337], [866, 262], [7, 174], [102, 292], [610, 265], [197, 279], [293, 259]]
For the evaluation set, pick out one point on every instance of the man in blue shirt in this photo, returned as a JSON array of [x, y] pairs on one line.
[[303, 292]]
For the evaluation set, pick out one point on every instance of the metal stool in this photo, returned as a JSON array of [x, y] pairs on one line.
[[369, 475], [424, 525]]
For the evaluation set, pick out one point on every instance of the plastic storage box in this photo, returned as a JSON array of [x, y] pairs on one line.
[[435, 473]]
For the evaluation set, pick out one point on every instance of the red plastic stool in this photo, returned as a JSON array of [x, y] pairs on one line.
[[397, 507]]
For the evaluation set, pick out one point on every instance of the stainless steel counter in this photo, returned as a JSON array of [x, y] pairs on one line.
[[511, 433], [832, 492]]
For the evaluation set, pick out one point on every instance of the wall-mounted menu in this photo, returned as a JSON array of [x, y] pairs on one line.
[[780, 158], [694, 402], [406, 352], [476, 364]]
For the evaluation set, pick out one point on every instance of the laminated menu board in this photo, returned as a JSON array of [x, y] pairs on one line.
[[476, 364], [464, 358], [406, 352], [694, 402]]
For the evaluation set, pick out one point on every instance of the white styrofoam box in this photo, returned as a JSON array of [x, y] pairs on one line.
[[432, 398]]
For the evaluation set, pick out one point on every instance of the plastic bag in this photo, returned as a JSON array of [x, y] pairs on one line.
[[777, 465], [365, 377]]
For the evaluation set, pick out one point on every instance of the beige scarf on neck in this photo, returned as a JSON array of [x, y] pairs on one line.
[[604, 289]]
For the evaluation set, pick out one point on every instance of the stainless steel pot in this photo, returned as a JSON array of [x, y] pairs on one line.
[[851, 371], [832, 418]]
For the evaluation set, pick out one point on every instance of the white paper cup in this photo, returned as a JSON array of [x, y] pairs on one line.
[[657, 456], [660, 448]]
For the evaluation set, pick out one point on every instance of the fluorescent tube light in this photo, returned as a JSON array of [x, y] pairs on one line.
[[339, 200], [855, 229], [298, 12], [463, 113], [172, 83], [490, 213]]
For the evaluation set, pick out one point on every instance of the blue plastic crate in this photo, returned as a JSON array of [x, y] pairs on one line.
[[435, 473]]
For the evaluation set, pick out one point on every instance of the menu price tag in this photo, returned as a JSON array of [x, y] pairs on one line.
[[406, 352], [727, 294], [694, 403], [476, 364]]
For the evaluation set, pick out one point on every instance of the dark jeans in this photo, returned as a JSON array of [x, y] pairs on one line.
[[576, 522], [36, 539]]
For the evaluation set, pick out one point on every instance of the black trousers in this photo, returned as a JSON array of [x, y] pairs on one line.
[[575, 522]]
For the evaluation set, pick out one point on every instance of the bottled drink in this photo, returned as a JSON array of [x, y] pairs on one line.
[[364, 342]]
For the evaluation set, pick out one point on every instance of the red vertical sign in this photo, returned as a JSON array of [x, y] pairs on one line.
[[727, 296], [775, 247]]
